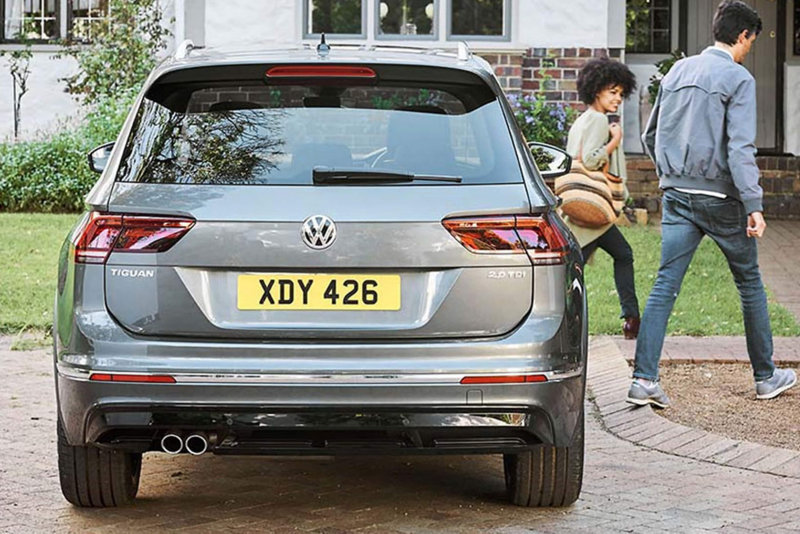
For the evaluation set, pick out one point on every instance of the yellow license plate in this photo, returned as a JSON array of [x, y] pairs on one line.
[[318, 292]]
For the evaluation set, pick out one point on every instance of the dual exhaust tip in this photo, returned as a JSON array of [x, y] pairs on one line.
[[174, 443]]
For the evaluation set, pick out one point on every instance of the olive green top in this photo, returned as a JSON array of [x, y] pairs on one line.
[[587, 142]]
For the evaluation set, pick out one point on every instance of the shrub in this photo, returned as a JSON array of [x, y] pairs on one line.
[[122, 51], [663, 67], [540, 120], [52, 175]]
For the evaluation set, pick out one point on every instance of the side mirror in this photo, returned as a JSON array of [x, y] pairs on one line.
[[98, 158], [551, 161]]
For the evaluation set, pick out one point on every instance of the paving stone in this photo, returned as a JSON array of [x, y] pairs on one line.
[[729, 454], [790, 468], [758, 454], [675, 431], [691, 448], [681, 440]]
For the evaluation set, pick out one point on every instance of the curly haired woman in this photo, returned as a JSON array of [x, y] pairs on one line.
[[597, 143]]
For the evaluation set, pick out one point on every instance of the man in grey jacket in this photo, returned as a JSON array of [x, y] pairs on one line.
[[701, 136]]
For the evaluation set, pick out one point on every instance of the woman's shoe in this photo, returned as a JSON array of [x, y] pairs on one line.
[[631, 327]]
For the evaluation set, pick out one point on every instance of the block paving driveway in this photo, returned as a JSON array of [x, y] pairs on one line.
[[627, 488]]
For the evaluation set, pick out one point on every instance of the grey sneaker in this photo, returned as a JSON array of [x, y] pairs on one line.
[[642, 395], [782, 379]]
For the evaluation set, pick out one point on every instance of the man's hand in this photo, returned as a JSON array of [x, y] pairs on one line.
[[756, 224]]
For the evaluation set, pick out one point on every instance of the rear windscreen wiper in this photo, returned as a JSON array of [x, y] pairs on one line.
[[329, 176]]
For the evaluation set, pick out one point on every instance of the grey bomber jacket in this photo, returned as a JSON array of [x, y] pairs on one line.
[[702, 131]]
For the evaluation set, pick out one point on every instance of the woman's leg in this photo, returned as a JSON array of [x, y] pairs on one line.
[[618, 248]]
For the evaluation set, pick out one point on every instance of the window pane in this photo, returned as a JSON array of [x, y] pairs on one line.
[[88, 16], [661, 19], [648, 24], [30, 19], [661, 42], [334, 16], [797, 28], [230, 134], [477, 17], [407, 17]]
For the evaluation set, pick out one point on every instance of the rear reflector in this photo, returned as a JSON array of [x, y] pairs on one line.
[[320, 71], [510, 234], [100, 233], [503, 379], [155, 379]]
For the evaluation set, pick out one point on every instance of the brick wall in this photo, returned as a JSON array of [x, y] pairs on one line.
[[551, 71], [780, 178]]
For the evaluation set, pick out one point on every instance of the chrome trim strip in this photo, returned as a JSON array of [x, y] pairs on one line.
[[76, 373]]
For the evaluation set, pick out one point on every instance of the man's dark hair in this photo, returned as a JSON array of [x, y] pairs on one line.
[[732, 18], [600, 74]]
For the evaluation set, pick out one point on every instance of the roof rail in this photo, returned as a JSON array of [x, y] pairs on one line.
[[464, 53], [183, 49]]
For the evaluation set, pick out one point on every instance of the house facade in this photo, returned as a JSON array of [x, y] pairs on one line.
[[535, 46]]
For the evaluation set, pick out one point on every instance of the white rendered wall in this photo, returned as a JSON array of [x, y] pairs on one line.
[[563, 23], [534, 24], [242, 22], [45, 104]]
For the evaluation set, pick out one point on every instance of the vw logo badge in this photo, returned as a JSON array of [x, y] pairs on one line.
[[319, 232]]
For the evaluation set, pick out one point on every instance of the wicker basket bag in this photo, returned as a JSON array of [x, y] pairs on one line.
[[591, 199]]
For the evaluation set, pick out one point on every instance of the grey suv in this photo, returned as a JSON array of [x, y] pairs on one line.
[[320, 251]]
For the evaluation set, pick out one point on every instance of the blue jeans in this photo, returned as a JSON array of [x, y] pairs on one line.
[[686, 219]]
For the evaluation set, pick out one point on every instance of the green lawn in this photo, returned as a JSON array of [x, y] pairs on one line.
[[29, 246], [708, 304]]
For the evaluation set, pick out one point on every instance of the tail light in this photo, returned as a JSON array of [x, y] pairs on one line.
[[534, 235], [102, 233]]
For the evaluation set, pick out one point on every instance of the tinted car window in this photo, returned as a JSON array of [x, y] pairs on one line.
[[243, 134]]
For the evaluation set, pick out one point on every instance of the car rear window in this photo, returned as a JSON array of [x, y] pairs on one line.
[[232, 132]]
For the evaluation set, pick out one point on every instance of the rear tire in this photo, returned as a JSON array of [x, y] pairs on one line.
[[546, 475], [95, 477]]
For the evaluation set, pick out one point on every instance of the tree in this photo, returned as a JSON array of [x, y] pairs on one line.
[[121, 54], [19, 66]]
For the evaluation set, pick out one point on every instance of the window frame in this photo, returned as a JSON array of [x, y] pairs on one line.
[[399, 37], [505, 37], [70, 36], [334, 36], [33, 42], [669, 31]]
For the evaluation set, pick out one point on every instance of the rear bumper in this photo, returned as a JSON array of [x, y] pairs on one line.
[[257, 391], [435, 418]]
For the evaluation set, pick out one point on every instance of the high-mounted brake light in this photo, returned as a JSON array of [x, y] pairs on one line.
[[503, 379], [320, 71], [102, 233], [152, 379], [534, 235]]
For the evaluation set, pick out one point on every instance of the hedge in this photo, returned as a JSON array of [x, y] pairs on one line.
[[52, 174]]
